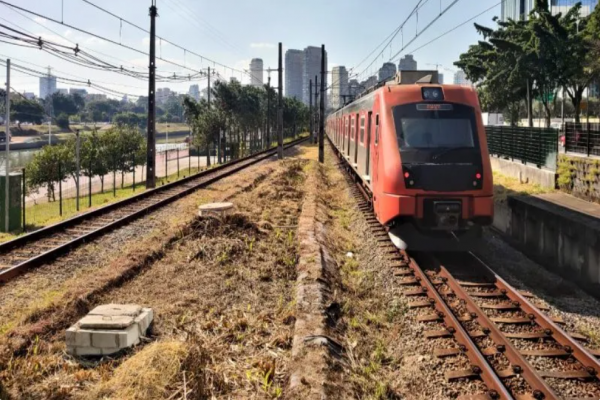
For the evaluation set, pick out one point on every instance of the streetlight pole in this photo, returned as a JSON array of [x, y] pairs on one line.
[[7, 160]]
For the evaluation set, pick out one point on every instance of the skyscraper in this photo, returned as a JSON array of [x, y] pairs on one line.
[[294, 74], [520, 9], [408, 63], [440, 79], [47, 86], [339, 86], [312, 67], [353, 88], [461, 79], [256, 72], [387, 72], [194, 92]]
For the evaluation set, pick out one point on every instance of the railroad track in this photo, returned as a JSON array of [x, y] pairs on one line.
[[29, 251], [517, 350]]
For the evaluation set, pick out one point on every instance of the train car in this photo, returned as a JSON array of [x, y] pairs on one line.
[[419, 151]]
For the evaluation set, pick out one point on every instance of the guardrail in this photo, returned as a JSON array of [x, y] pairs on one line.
[[582, 138]]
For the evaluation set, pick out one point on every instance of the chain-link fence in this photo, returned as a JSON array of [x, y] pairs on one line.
[[582, 138], [538, 146]]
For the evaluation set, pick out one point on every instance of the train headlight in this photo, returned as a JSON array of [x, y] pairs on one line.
[[432, 93]]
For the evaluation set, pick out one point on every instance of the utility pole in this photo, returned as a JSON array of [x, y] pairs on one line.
[[7, 159], [51, 111], [151, 152], [316, 112], [322, 113], [208, 90], [77, 147], [280, 107], [310, 110], [268, 145]]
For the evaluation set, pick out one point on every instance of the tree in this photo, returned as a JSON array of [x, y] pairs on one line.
[[47, 169], [64, 104], [23, 110], [63, 121], [130, 119]]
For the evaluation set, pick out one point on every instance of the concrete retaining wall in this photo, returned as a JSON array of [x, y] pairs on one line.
[[564, 241], [525, 173]]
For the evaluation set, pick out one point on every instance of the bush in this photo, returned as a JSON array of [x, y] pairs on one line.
[[63, 121]]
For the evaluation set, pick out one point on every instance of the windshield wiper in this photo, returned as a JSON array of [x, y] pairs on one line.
[[450, 150]]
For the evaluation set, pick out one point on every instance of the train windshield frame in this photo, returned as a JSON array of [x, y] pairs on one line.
[[435, 126]]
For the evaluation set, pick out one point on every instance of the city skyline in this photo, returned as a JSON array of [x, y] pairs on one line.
[[236, 48]]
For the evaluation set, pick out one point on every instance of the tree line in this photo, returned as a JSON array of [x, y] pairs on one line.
[[66, 108], [540, 58], [119, 149], [241, 118]]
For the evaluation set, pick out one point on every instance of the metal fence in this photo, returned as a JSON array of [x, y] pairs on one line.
[[582, 138], [538, 146]]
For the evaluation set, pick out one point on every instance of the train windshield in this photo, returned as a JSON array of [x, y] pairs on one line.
[[435, 126]]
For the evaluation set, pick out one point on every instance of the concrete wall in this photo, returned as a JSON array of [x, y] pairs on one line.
[[561, 240], [523, 172]]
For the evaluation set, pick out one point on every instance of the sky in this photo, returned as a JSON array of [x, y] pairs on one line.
[[232, 32]]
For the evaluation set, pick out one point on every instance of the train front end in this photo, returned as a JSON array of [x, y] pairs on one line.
[[438, 189]]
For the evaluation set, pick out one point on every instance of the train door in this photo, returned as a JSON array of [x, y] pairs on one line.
[[368, 147], [347, 149], [374, 187], [356, 137]]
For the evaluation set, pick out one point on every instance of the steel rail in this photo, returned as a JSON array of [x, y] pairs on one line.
[[480, 365], [212, 176], [579, 352], [540, 389]]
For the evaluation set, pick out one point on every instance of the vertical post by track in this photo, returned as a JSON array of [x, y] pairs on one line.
[[151, 152], [268, 145], [7, 146], [322, 111], [77, 147], [207, 141], [60, 188], [280, 106], [310, 110], [315, 111], [24, 199], [133, 163], [90, 182]]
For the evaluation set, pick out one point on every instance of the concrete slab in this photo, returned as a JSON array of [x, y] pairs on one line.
[[214, 208], [105, 322], [111, 328], [131, 310], [572, 203]]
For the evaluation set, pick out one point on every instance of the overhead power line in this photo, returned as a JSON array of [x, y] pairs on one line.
[[95, 35]]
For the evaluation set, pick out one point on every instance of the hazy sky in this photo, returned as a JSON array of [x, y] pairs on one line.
[[234, 31]]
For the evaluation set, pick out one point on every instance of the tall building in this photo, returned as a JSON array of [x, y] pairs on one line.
[[256, 72], [294, 74], [408, 63], [353, 88], [312, 68], [162, 94], [440, 79], [81, 92], [47, 86], [520, 9], [194, 92], [387, 72], [339, 86], [461, 79], [29, 95], [368, 83]]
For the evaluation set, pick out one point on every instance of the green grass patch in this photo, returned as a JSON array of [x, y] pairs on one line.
[[505, 186]]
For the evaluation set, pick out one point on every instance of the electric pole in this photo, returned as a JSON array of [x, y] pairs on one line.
[[268, 112], [77, 147], [310, 110], [7, 159], [208, 90], [151, 152], [280, 107], [316, 112], [322, 113]]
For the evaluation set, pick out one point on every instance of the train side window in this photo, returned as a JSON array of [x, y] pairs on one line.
[[362, 129], [376, 129], [352, 129]]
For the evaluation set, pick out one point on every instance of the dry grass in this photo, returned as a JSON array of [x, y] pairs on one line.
[[224, 286], [505, 186], [146, 375]]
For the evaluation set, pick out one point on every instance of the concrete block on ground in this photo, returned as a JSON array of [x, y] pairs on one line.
[[108, 329]]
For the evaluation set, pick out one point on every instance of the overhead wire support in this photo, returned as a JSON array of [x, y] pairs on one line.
[[93, 34], [151, 140]]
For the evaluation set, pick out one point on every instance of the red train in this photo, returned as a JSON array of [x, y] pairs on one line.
[[419, 151]]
